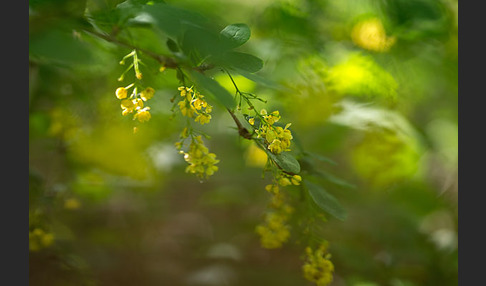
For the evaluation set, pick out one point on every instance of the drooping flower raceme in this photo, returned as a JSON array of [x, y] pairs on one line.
[[194, 105], [275, 231], [135, 103], [201, 161], [318, 267], [277, 138]]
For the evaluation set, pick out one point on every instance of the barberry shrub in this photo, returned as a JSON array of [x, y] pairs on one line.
[[151, 45]]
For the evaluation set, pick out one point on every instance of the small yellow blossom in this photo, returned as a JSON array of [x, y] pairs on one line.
[[252, 121], [138, 103], [147, 93], [121, 93], [186, 109], [127, 106], [296, 179], [276, 146], [272, 189], [143, 114], [198, 103], [203, 118]]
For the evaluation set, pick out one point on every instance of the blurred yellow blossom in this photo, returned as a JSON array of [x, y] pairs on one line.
[[318, 267], [370, 34], [72, 204]]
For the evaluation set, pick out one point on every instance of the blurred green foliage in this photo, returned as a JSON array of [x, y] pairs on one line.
[[370, 87]]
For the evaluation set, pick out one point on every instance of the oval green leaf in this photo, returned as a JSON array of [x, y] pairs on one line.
[[261, 80], [286, 161], [326, 201], [235, 35], [242, 61]]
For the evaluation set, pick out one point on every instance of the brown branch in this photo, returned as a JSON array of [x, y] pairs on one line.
[[166, 61], [242, 131]]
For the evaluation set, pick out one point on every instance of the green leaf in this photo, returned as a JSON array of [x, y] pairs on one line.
[[235, 35], [171, 19], [200, 42], [260, 80], [242, 61], [172, 46], [325, 201], [60, 46], [335, 180], [285, 160], [219, 93]]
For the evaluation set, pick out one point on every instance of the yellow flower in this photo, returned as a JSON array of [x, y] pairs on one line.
[[182, 89], [272, 117], [138, 103], [186, 109], [318, 267], [296, 179], [276, 146], [147, 94], [127, 105], [272, 189], [143, 114], [274, 232], [284, 182], [121, 93], [201, 162], [198, 103], [203, 118], [252, 121]]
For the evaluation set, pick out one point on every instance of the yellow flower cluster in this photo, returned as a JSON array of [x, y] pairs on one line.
[[135, 103], [318, 267], [274, 232], [39, 239], [276, 137], [193, 104], [201, 162]]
